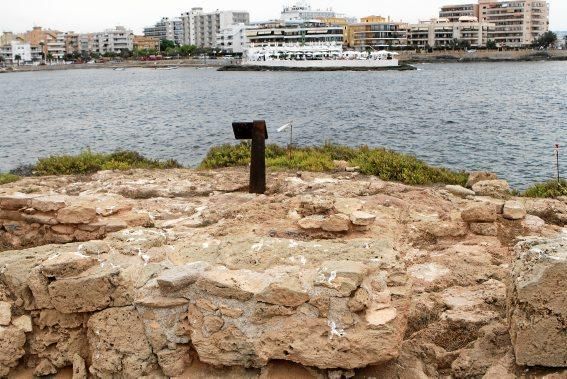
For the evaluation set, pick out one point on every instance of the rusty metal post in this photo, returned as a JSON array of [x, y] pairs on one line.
[[258, 158]]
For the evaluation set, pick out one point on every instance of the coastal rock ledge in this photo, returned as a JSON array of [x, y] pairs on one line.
[[181, 273]]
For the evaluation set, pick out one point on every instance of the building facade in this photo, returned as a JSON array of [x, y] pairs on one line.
[[454, 12], [233, 39], [167, 29], [113, 41], [201, 28], [146, 43], [442, 33], [376, 32], [303, 11], [294, 33], [517, 22], [20, 52]]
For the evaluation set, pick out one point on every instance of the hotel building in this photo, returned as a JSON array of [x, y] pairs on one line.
[[114, 41], [201, 29], [517, 22], [294, 33], [233, 39], [166, 29], [441, 33], [376, 32]]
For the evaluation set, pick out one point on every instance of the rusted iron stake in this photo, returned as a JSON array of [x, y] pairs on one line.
[[258, 158]]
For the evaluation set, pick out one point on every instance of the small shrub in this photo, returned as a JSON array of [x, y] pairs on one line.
[[386, 164], [88, 162], [8, 178], [552, 188]]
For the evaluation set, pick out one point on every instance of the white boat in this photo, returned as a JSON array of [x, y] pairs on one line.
[[317, 56], [167, 68]]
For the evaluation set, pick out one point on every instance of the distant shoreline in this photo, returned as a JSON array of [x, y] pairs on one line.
[[406, 59]]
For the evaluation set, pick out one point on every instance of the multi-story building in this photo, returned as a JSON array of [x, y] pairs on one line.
[[518, 22], [167, 29], [20, 52], [56, 48], [201, 29], [294, 33], [114, 41], [233, 39], [442, 33], [146, 43], [302, 11], [6, 38], [454, 12], [343, 22], [376, 32], [86, 42]]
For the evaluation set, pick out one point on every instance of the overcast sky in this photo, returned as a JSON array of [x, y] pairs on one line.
[[96, 15]]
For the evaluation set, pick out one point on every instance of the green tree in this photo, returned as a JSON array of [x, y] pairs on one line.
[[166, 44], [187, 50], [491, 44], [49, 56], [546, 40], [18, 58]]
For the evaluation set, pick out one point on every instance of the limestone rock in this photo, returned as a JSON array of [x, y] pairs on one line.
[[5, 313], [480, 212], [348, 205], [311, 205], [23, 322], [120, 350], [232, 284], [484, 229], [48, 203], [79, 367], [173, 362], [181, 276], [551, 210], [12, 342], [362, 218], [459, 191], [76, 214], [478, 176], [63, 265], [287, 292], [537, 304], [45, 368], [494, 188], [336, 223], [311, 222], [91, 291], [514, 210]]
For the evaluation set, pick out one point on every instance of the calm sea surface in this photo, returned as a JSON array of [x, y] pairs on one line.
[[491, 116]]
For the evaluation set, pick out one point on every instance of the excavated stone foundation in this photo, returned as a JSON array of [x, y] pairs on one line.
[[183, 274]]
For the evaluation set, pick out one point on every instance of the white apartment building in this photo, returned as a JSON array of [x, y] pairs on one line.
[[167, 29], [294, 33], [113, 40], [454, 12], [24, 51], [441, 33], [302, 11], [201, 29], [233, 39]]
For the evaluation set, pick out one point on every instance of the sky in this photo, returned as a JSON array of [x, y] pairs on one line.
[[97, 15]]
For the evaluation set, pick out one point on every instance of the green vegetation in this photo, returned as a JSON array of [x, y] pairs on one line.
[[386, 164], [88, 162], [491, 44], [8, 178], [552, 188], [546, 40]]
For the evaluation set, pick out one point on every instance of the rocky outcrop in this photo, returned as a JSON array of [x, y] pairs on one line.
[[325, 275], [31, 220], [538, 302]]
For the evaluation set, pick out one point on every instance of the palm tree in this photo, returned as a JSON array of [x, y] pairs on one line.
[[42, 44], [18, 58]]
